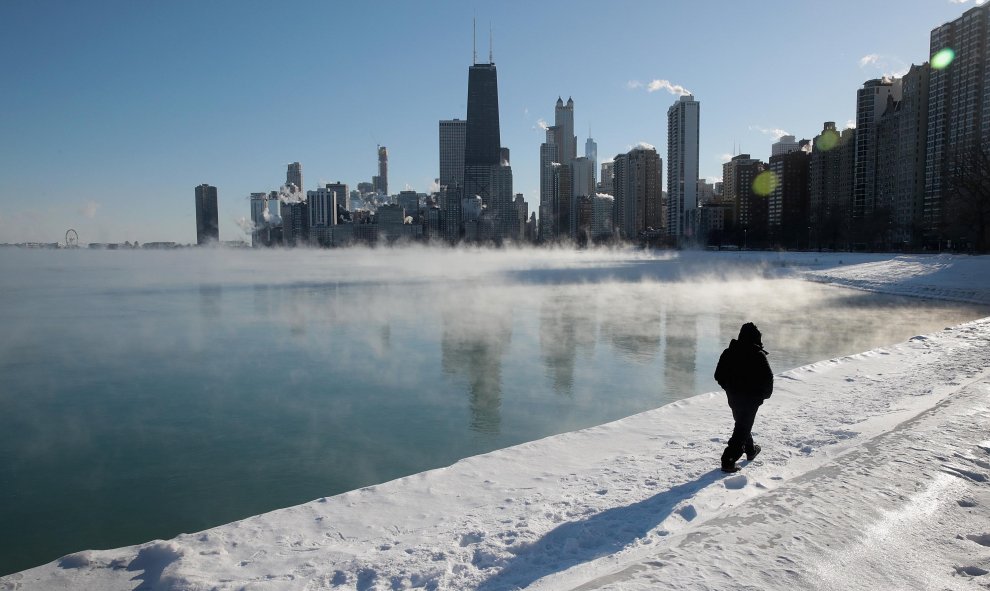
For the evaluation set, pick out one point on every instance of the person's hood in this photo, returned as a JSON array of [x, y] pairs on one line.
[[750, 334]]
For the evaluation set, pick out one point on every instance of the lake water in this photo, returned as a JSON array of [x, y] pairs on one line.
[[146, 394]]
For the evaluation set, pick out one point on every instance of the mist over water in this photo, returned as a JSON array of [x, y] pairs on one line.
[[146, 394]]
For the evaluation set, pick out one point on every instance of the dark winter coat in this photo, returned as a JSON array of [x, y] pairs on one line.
[[744, 373]]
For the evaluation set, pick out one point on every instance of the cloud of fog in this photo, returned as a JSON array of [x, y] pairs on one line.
[[541, 124], [889, 66], [674, 89], [291, 194], [776, 133], [246, 225], [868, 60], [655, 85], [89, 209]]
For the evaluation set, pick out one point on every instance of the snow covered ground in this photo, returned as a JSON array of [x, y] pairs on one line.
[[875, 474]]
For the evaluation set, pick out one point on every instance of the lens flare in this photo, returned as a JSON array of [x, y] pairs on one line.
[[943, 58], [827, 140], [765, 183]]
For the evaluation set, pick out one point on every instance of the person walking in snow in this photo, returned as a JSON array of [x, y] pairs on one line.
[[745, 375]]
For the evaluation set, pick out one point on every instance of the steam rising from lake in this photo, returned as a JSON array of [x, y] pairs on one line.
[[147, 393]]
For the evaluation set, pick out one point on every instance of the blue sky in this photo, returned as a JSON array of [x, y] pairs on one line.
[[112, 112]]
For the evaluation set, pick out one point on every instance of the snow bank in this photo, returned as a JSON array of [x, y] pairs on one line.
[[874, 474]]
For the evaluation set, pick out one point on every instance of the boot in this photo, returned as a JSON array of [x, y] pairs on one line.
[[751, 454], [729, 468]]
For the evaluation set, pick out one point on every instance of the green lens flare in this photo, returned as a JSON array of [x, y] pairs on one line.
[[827, 140], [943, 58], [765, 183]]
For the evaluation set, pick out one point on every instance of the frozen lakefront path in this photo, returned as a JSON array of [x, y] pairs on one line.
[[906, 509]]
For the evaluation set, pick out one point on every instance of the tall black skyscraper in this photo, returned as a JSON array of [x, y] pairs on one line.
[[207, 215], [482, 141], [487, 173]]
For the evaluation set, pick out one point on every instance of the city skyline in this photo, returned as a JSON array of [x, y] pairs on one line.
[[104, 132]]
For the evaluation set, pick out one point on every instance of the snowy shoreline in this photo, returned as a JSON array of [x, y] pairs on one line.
[[638, 503]]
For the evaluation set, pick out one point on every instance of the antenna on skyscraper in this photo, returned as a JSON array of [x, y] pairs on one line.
[[474, 41], [491, 60]]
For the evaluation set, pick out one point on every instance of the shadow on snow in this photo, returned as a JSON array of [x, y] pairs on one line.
[[588, 539]]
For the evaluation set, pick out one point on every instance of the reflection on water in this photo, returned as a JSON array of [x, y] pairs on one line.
[[476, 334], [567, 328], [142, 402]]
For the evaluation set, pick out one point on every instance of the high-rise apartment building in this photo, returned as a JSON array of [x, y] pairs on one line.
[[293, 176], [787, 203], [902, 137], [602, 209], [606, 183], [749, 211], [830, 177], [871, 102], [207, 215], [452, 134], [683, 121], [637, 191], [958, 105]]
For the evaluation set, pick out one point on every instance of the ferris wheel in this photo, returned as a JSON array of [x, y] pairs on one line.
[[71, 238]]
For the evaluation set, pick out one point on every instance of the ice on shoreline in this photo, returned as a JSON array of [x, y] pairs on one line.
[[874, 473]]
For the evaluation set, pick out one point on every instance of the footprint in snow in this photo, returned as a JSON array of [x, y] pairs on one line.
[[971, 571], [736, 482]]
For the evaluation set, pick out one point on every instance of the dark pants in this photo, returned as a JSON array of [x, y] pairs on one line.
[[742, 437]]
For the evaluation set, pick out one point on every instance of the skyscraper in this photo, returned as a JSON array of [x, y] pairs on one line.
[[591, 153], [871, 101], [207, 215], [902, 136], [343, 195], [549, 154], [958, 104], [637, 191], [322, 207], [563, 120], [452, 134], [380, 182], [683, 128], [486, 175], [749, 212], [293, 175], [830, 184], [788, 201], [482, 142]]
